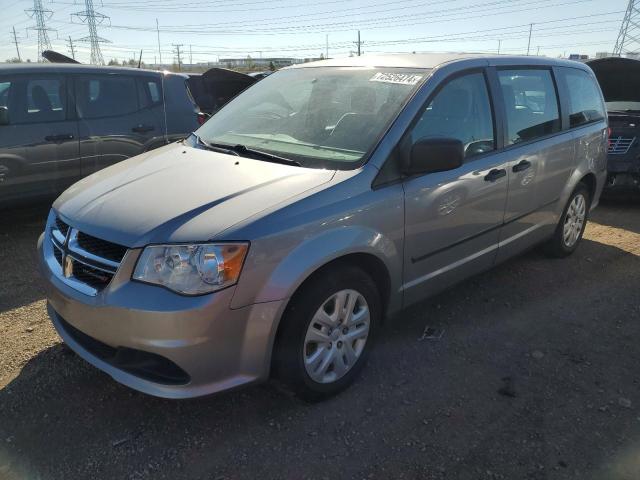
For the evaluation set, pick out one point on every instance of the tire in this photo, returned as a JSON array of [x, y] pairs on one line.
[[307, 337], [561, 244]]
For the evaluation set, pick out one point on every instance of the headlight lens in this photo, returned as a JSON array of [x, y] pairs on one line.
[[191, 269]]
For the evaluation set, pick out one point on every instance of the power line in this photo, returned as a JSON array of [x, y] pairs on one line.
[[92, 19]]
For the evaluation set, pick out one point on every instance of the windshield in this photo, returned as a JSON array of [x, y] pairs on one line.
[[326, 117], [623, 106]]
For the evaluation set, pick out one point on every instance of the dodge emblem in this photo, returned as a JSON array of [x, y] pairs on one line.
[[67, 268]]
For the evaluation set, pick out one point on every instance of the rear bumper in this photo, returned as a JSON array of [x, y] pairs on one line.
[[622, 182], [161, 343]]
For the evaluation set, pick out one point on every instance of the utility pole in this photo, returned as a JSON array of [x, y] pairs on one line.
[[529, 44], [15, 41], [93, 19], [190, 56], [629, 36], [71, 47], [538, 52], [40, 14], [359, 42], [159, 51], [327, 50], [177, 47], [499, 45]]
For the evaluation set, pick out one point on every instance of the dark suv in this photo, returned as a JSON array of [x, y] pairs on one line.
[[619, 79], [62, 122]]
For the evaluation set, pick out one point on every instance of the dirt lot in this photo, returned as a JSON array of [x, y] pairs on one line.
[[565, 332]]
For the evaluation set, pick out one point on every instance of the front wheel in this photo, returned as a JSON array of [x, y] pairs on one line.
[[572, 223], [327, 332]]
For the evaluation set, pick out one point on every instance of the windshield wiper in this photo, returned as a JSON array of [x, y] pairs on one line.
[[243, 150], [217, 147], [270, 157]]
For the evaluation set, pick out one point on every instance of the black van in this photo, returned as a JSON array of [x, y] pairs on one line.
[[62, 122]]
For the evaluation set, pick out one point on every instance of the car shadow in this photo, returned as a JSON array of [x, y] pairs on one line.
[[619, 212], [424, 404], [19, 231]]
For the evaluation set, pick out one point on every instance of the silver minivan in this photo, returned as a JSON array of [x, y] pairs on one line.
[[277, 238]]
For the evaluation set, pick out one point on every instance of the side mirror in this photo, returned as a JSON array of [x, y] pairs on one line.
[[4, 116], [435, 155]]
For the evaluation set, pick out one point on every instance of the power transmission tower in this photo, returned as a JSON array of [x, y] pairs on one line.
[[629, 37], [177, 49], [40, 14], [15, 41], [71, 48], [93, 19]]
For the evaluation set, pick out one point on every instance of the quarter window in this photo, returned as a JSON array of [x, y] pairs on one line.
[[531, 104], [106, 96], [585, 101], [461, 110]]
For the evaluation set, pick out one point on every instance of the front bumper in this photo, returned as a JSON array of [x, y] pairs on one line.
[[216, 347]]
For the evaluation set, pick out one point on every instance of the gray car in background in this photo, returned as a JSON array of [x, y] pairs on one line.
[[327, 197], [62, 122]]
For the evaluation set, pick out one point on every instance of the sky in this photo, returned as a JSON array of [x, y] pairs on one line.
[[213, 29]]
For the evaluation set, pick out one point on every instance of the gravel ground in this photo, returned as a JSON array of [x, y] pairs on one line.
[[536, 376]]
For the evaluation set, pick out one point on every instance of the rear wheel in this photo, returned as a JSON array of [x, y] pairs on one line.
[[572, 223], [327, 332]]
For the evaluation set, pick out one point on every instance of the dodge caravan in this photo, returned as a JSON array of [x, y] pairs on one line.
[[277, 238]]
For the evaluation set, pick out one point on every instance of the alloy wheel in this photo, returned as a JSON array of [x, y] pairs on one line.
[[336, 336]]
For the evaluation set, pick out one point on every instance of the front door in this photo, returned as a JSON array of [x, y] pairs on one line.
[[452, 218], [39, 140]]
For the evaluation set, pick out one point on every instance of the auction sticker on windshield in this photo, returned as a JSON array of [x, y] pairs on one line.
[[401, 78]]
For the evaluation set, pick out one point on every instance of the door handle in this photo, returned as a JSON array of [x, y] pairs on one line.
[[495, 174], [143, 128], [59, 138], [522, 166]]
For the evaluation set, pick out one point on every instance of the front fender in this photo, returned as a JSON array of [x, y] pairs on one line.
[[313, 253]]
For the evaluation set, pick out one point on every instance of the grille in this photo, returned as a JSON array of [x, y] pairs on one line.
[[83, 262], [101, 248], [620, 145], [62, 227], [93, 277]]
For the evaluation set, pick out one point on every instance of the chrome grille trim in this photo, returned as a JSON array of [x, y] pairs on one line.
[[63, 253], [620, 145]]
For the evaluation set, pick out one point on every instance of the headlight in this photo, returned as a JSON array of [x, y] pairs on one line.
[[191, 269]]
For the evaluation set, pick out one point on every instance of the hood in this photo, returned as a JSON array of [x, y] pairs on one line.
[[180, 194], [618, 78], [56, 57], [215, 87]]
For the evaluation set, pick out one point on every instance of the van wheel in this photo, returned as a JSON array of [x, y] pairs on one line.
[[327, 332], [572, 223]]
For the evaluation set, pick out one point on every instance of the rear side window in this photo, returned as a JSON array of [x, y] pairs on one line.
[[5, 88], [106, 96], [149, 92], [585, 101], [460, 110], [531, 104]]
